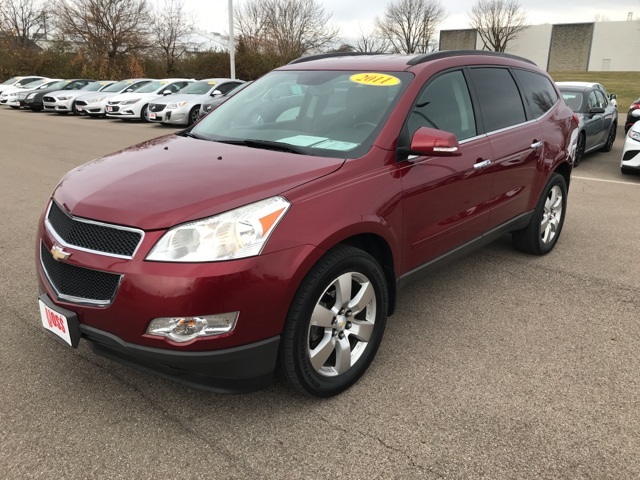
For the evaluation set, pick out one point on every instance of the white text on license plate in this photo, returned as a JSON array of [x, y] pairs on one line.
[[54, 322]]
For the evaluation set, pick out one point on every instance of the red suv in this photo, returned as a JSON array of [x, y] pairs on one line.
[[275, 233]]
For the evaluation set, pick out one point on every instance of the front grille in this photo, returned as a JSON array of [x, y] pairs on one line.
[[94, 236], [78, 284], [49, 99], [629, 154], [156, 107]]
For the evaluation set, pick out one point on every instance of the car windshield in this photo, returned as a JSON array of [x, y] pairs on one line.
[[328, 113], [198, 88], [11, 81], [93, 87], [34, 83], [573, 99], [151, 87], [74, 85], [55, 84]]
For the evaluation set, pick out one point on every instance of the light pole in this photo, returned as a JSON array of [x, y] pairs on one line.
[[232, 46]]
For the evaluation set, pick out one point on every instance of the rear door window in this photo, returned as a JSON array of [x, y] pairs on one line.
[[499, 98]]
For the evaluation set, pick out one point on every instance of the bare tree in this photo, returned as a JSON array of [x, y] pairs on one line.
[[289, 28], [172, 28], [409, 25], [107, 29], [372, 42], [22, 21], [498, 22]]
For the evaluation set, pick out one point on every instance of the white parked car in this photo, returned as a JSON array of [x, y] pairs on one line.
[[135, 105], [184, 107], [95, 104], [17, 98], [18, 81], [19, 88], [62, 101], [631, 151]]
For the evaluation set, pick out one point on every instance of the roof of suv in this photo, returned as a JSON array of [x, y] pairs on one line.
[[389, 62]]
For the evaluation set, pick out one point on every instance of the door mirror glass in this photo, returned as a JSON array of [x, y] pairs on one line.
[[433, 142]]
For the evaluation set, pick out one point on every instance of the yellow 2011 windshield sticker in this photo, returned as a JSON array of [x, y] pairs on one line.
[[375, 79]]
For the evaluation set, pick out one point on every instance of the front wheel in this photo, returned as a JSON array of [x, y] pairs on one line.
[[541, 235], [580, 147], [335, 323], [144, 114], [194, 114]]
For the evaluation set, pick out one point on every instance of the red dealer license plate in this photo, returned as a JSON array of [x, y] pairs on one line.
[[64, 325]]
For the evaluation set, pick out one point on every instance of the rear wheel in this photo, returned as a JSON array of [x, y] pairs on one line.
[[541, 235], [335, 323], [611, 137], [580, 149]]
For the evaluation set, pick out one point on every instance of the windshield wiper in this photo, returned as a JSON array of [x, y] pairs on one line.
[[185, 133], [268, 145]]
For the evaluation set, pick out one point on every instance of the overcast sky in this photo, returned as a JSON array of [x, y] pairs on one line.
[[353, 15]]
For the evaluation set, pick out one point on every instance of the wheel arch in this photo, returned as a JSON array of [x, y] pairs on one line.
[[564, 169]]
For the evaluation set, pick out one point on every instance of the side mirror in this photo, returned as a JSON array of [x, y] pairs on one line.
[[129, 90], [167, 92], [596, 111], [635, 113], [613, 96], [433, 142], [216, 93]]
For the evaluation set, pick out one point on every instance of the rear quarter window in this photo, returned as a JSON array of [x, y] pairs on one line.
[[538, 92]]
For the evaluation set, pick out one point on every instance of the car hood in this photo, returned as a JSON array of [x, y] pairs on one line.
[[130, 95], [173, 179], [191, 98], [89, 95], [69, 93]]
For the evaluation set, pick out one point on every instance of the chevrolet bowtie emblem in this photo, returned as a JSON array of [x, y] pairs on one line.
[[59, 254]]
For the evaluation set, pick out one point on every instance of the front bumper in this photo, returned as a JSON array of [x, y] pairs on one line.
[[124, 111], [58, 106], [630, 154], [96, 108], [259, 288]]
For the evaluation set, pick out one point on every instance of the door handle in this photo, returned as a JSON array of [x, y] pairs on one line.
[[482, 164], [535, 145]]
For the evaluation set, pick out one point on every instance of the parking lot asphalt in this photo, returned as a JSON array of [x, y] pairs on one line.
[[501, 366]]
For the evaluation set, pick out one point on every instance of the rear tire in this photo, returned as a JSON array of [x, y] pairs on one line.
[[611, 137], [543, 231], [335, 324]]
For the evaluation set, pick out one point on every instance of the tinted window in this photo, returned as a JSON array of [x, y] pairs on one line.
[[573, 99], [445, 104], [601, 99], [499, 98], [538, 92]]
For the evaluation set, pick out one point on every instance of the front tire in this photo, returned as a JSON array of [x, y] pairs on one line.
[[144, 114], [582, 141], [335, 323], [543, 231], [193, 115]]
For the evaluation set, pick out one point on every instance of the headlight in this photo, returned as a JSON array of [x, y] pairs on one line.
[[130, 102], [634, 135], [238, 233], [22, 96], [65, 97], [175, 105], [31, 95]]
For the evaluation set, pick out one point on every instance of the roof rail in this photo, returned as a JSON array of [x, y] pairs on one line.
[[426, 57], [320, 56]]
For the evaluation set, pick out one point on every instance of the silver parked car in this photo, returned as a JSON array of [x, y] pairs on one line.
[[95, 104], [183, 108], [62, 101]]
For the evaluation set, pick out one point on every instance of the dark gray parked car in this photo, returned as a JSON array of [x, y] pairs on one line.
[[597, 117]]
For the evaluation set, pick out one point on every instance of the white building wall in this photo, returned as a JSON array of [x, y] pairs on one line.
[[533, 44], [615, 47]]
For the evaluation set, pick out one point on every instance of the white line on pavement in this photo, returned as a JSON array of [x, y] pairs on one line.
[[606, 181]]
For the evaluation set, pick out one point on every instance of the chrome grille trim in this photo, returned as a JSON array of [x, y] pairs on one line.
[[63, 243]]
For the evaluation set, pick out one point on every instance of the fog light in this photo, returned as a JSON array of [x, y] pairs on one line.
[[183, 329]]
